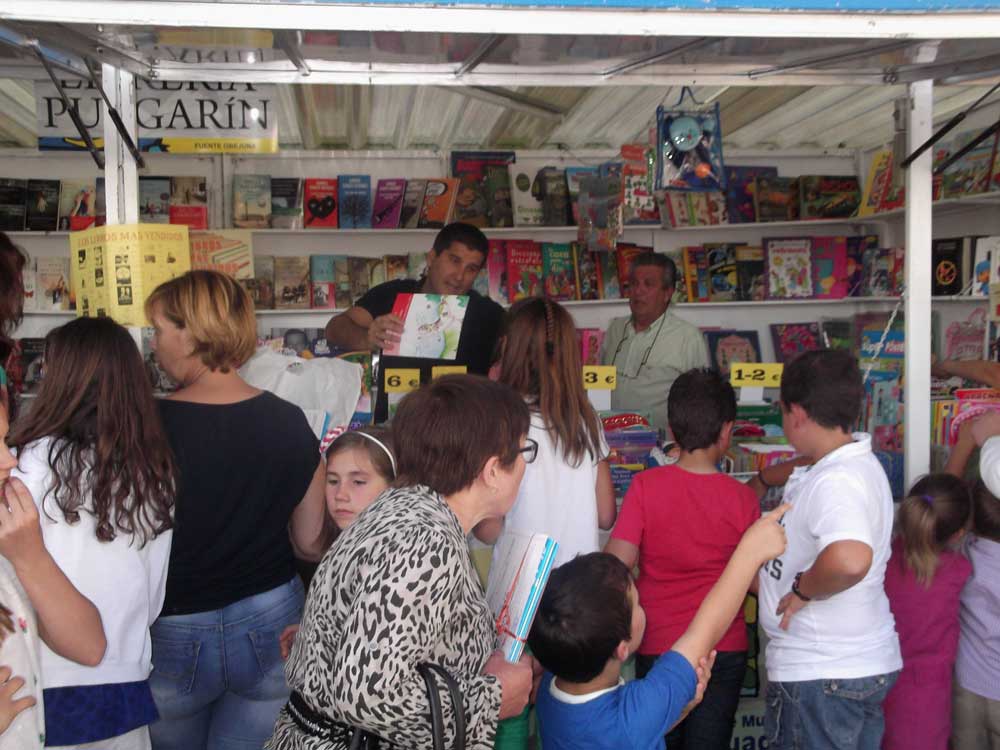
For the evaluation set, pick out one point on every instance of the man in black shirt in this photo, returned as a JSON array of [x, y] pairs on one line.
[[458, 254]]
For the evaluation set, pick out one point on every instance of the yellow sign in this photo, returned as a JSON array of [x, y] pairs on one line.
[[440, 370], [401, 380], [600, 377], [760, 374]]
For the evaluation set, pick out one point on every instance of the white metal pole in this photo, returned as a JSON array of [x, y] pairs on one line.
[[917, 408], [121, 177]]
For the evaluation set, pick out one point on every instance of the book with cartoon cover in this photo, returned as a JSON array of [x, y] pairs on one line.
[[789, 268], [432, 325]]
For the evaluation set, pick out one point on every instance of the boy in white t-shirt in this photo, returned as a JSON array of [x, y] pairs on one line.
[[833, 652]]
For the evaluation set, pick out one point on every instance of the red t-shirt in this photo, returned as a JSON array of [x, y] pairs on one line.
[[686, 527]]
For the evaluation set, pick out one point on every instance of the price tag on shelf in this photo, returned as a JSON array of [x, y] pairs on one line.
[[401, 380], [755, 374], [600, 377], [440, 370]]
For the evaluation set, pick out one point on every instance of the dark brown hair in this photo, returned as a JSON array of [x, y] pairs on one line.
[[108, 452], [985, 513], [938, 507], [355, 439], [699, 405], [541, 361], [827, 385], [12, 262], [446, 431]]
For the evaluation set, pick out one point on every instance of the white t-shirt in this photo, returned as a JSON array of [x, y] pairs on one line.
[[558, 499], [844, 496], [20, 652], [125, 582], [989, 465]]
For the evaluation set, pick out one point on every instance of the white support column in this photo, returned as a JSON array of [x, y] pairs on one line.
[[121, 177], [917, 409]]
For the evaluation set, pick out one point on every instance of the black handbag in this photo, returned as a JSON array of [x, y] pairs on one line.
[[364, 740]]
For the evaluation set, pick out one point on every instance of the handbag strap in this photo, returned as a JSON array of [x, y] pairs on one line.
[[427, 671]]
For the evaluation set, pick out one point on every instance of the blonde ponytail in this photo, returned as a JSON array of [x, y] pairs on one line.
[[938, 507]]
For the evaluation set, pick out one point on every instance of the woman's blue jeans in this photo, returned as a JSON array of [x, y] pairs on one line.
[[218, 677]]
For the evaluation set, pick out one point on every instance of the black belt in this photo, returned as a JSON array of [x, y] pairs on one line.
[[315, 724]]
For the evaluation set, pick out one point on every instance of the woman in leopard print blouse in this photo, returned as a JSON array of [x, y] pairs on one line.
[[398, 587]]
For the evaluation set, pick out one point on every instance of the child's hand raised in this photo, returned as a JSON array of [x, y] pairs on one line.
[[766, 538]]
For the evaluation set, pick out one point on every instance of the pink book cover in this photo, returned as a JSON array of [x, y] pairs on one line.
[[496, 269], [388, 203], [591, 340], [829, 267]]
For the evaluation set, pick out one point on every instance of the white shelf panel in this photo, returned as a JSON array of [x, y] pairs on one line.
[[53, 313]]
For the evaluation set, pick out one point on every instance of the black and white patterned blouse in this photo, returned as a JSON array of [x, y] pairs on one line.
[[396, 589]]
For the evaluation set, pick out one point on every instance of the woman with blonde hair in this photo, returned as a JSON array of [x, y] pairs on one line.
[[250, 497]]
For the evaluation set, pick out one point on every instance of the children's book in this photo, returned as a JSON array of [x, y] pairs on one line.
[[524, 269], [750, 273], [678, 208], [856, 247], [527, 199], [591, 340], [52, 282], [638, 178], [828, 197], [950, 263], [963, 339], [726, 348], [251, 200], [320, 208], [791, 339], [723, 282], [76, 205], [496, 271], [696, 273], [395, 267], [878, 270], [941, 151], [987, 254], [626, 253], [600, 209], [355, 196], [286, 202], [189, 202], [776, 198], [439, 203], [588, 282], [878, 183], [498, 193], [154, 200], [558, 272], [740, 192], [323, 282], [228, 251], [413, 200], [607, 270], [521, 566], [829, 267], [971, 173], [388, 205], [477, 194], [261, 285], [718, 213], [291, 282], [701, 214], [42, 208], [432, 325], [789, 268]]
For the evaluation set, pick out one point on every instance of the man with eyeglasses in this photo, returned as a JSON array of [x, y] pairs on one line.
[[652, 346]]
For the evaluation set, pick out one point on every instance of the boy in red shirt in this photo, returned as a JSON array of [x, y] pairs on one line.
[[681, 524]]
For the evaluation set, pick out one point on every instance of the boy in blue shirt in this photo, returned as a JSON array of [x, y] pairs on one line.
[[590, 621]]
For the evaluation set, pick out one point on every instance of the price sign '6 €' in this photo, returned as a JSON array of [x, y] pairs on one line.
[[755, 374], [401, 380]]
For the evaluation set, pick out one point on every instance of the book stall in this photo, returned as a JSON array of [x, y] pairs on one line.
[[313, 150]]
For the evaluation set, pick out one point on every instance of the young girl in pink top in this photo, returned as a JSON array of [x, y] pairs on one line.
[[923, 581]]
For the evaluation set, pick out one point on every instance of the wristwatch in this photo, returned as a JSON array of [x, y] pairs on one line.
[[797, 591]]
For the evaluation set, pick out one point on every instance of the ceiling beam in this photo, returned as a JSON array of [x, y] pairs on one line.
[[659, 57], [814, 62], [511, 100], [290, 42], [481, 53]]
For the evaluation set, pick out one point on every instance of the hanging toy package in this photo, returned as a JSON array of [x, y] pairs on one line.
[[689, 147]]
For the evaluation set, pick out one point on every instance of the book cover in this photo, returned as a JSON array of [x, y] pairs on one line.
[[357, 271], [291, 282], [261, 285], [554, 194], [13, 197], [837, 333], [791, 339], [679, 207], [776, 198], [388, 205], [521, 566], [789, 267], [625, 254], [251, 201], [413, 201], [432, 325], [355, 196], [322, 282], [638, 172], [481, 185], [527, 199], [524, 270], [320, 203], [558, 272], [228, 251], [829, 267], [496, 271], [828, 197], [574, 178], [154, 200], [740, 188], [591, 340], [588, 285], [750, 273], [286, 202], [189, 202], [898, 256], [342, 282], [680, 295], [941, 151], [987, 255], [950, 266], [727, 348], [701, 214], [718, 213], [971, 173], [306, 343], [439, 203], [723, 282], [498, 193], [963, 339], [42, 206], [76, 205], [856, 246], [600, 208], [395, 267], [877, 184], [52, 282], [607, 270], [696, 273]]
